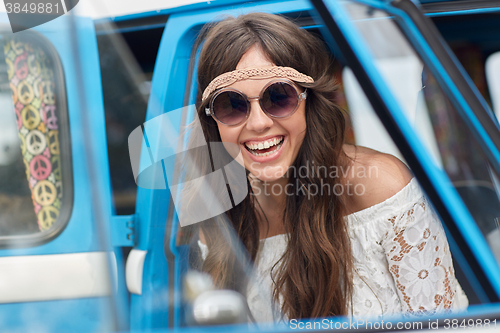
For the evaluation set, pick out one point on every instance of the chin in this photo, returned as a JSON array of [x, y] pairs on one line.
[[269, 173]]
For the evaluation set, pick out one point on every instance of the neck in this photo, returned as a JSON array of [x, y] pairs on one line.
[[271, 197]]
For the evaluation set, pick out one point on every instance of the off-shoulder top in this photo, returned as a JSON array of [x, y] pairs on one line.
[[402, 261]]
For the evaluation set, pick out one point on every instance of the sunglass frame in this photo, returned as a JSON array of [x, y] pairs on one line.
[[209, 111]]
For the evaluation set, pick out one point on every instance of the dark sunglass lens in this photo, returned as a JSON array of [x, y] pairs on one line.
[[280, 99], [230, 107]]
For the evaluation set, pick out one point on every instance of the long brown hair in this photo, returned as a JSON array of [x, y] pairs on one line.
[[314, 275]]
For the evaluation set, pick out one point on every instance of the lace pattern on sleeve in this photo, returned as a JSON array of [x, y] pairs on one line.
[[419, 260]]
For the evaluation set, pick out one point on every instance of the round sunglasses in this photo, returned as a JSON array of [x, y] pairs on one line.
[[278, 99]]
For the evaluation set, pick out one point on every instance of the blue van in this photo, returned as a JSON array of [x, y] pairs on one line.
[[86, 103]]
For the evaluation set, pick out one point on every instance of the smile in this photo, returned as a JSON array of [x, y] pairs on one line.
[[265, 148]]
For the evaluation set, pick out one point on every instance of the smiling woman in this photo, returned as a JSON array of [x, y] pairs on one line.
[[345, 243], [278, 121]]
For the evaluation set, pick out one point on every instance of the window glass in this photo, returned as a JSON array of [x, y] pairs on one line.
[[435, 119], [33, 162], [474, 40], [127, 60]]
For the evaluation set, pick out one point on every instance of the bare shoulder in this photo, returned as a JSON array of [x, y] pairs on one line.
[[375, 176]]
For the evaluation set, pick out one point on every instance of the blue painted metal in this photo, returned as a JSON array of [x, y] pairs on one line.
[[80, 234], [122, 230], [451, 198], [74, 315]]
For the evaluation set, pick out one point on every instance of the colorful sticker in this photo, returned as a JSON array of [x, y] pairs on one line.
[[31, 80]]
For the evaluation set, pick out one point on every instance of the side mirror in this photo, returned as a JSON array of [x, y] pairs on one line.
[[207, 306], [218, 307]]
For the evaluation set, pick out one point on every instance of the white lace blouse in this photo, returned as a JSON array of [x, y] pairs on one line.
[[401, 257]]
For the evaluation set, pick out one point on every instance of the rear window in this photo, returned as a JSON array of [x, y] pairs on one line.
[[35, 159]]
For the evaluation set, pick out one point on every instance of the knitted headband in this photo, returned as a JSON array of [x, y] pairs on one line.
[[229, 78]]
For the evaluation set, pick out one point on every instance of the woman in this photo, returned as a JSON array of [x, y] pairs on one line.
[[333, 229]]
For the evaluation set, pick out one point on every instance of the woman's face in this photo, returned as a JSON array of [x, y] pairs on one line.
[[284, 136]]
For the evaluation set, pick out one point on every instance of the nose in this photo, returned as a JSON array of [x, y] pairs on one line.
[[258, 121]]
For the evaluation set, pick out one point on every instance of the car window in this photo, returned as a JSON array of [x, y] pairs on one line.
[[35, 159], [127, 57], [473, 39]]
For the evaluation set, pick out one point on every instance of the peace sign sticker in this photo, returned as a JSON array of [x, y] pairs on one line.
[[40, 167], [25, 92], [47, 216], [35, 142], [31, 117], [45, 193], [21, 66]]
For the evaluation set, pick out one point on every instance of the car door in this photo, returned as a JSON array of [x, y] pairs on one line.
[[415, 126], [58, 268]]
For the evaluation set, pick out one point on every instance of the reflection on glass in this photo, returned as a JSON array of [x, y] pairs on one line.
[[196, 194], [434, 118], [126, 73]]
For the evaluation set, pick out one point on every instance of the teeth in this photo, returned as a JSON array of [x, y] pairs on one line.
[[265, 144], [269, 152]]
